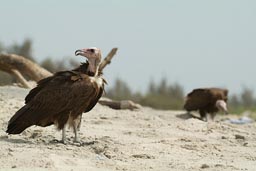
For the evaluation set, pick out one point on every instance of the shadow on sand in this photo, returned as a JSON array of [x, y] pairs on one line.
[[187, 115], [6, 138]]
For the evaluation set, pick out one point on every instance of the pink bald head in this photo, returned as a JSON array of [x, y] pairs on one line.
[[222, 106], [93, 55]]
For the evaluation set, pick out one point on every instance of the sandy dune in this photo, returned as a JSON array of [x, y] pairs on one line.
[[140, 140]]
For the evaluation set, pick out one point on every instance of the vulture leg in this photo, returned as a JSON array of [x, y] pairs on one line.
[[64, 135], [79, 123], [75, 131], [76, 127], [203, 115], [212, 115]]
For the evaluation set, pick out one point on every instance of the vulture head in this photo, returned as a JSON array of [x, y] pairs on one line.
[[93, 55], [222, 106]]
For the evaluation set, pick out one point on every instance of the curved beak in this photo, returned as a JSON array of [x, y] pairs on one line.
[[78, 52]]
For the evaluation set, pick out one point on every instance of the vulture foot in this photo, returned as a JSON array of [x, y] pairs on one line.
[[82, 143], [55, 141]]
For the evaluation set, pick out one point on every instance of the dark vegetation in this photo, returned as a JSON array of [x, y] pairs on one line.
[[159, 95]]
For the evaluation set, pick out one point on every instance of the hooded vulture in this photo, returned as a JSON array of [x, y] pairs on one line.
[[62, 98], [207, 100]]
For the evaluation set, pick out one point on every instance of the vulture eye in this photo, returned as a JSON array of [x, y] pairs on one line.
[[92, 50]]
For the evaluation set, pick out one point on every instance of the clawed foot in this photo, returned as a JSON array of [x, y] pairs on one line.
[[59, 141], [82, 143], [78, 143], [75, 142]]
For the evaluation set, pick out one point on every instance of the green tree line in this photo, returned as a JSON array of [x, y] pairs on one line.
[[159, 95]]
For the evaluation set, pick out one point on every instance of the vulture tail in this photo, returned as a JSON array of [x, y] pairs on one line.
[[20, 121]]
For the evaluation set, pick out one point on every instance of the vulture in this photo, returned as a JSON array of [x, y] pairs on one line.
[[207, 101], [62, 98]]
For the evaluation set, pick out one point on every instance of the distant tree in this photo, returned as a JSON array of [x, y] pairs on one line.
[[59, 64], [234, 100], [247, 97], [152, 87], [120, 91], [162, 87], [137, 97], [2, 48], [176, 91], [163, 96], [24, 49], [49, 64]]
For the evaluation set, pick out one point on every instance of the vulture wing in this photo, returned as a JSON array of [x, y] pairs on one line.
[[53, 100], [197, 99], [44, 82], [219, 94]]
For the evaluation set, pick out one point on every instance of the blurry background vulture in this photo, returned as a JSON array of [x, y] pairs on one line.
[[62, 98], [207, 100]]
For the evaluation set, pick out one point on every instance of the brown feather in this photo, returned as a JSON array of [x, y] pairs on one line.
[[56, 99]]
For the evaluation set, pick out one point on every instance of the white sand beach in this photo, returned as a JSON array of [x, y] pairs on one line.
[[115, 140]]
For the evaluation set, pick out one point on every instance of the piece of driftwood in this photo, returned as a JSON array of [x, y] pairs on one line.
[[21, 68], [107, 59], [25, 66], [123, 104], [20, 78]]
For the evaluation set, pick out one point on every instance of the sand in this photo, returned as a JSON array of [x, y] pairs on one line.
[[145, 139]]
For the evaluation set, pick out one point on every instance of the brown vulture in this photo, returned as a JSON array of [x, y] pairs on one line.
[[207, 100], [62, 98]]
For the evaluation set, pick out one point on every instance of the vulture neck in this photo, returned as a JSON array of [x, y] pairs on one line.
[[85, 69], [93, 70]]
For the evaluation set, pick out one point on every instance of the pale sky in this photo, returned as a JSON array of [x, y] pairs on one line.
[[196, 43]]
